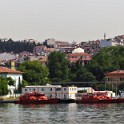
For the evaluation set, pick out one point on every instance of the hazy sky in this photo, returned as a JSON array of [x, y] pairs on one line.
[[66, 20]]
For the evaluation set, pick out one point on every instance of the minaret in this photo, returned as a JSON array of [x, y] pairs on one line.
[[104, 36]]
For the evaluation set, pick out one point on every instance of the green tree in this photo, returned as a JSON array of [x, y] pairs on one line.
[[58, 66], [3, 86], [21, 85], [83, 74], [10, 81], [108, 59], [34, 72]]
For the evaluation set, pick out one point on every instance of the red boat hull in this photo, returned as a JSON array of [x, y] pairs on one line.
[[114, 100], [49, 101]]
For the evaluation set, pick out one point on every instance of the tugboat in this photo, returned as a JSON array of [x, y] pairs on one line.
[[98, 97], [36, 98]]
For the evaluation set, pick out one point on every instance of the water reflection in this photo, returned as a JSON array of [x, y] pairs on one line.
[[62, 114]]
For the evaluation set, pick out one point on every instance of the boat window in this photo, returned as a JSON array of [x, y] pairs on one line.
[[25, 89], [50, 89]]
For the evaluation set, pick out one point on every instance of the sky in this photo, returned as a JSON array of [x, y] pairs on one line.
[[64, 20]]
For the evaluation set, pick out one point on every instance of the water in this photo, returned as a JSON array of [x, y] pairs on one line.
[[62, 114]]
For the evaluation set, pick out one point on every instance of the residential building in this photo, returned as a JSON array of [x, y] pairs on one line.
[[83, 58], [115, 77], [60, 44], [49, 42], [7, 56], [43, 60], [42, 50], [66, 50], [15, 75], [91, 47]]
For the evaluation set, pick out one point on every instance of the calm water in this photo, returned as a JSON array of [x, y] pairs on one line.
[[62, 114]]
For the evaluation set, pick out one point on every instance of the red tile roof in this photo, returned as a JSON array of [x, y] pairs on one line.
[[8, 70], [118, 72]]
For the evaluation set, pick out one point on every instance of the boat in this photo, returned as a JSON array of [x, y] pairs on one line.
[[36, 98], [98, 97]]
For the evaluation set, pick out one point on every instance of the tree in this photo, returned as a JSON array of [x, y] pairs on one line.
[[83, 74], [108, 59], [3, 86], [34, 72], [10, 81], [21, 85], [58, 66]]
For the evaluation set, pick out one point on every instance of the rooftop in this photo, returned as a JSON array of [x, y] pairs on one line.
[[118, 72], [8, 70]]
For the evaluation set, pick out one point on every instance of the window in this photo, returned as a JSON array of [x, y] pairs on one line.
[[78, 57], [58, 89], [42, 89], [50, 89], [64, 88], [25, 89]]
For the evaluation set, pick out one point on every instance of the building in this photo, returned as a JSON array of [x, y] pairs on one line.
[[115, 77], [61, 44], [66, 50], [78, 50], [78, 55], [14, 74], [117, 41], [83, 58], [53, 91], [107, 43], [43, 60], [42, 50], [50, 42], [91, 47]]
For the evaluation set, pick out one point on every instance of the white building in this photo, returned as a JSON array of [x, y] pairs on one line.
[[14, 74], [53, 91], [109, 43], [78, 50]]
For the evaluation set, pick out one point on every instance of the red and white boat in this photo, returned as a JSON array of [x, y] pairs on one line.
[[98, 97], [36, 98]]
